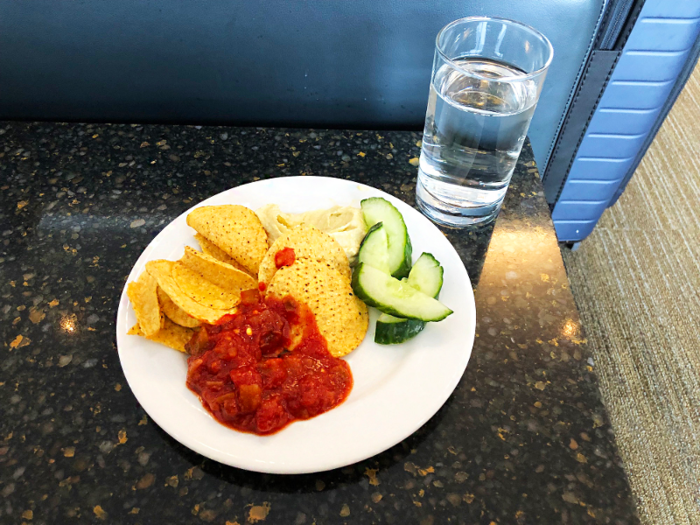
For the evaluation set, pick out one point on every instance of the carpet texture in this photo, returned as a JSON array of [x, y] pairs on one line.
[[636, 281]]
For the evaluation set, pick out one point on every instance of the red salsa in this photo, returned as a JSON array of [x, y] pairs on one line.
[[285, 257], [265, 366]]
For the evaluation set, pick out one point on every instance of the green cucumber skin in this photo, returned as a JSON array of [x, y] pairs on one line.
[[359, 291], [364, 254], [387, 309], [393, 330], [395, 333], [404, 266]]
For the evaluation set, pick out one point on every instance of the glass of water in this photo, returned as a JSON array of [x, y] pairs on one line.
[[487, 78]]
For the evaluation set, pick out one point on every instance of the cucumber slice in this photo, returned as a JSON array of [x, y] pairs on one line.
[[374, 249], [394, 330], [426, 276], [377, 209], [394, 297]]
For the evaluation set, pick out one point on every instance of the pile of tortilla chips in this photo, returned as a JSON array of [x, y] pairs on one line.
[[172, 299]]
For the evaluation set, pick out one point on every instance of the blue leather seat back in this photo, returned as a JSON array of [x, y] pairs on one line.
[[361, 63]]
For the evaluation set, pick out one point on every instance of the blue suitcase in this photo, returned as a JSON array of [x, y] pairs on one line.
[[632, 78]]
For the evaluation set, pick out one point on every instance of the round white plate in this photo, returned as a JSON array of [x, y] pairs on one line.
[[397, 388]]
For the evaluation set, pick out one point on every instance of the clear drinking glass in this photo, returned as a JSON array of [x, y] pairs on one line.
[[487, 78]]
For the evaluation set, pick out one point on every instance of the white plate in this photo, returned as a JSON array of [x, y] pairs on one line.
[[397, 388]]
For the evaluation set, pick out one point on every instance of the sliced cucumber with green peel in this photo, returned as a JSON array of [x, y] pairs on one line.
[[384, 278], [374, 249], [377, 209], [392, 330], [395, 297], [426, 276]]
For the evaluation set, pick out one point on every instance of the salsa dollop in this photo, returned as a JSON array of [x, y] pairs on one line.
[[265, 366], [285, 257]]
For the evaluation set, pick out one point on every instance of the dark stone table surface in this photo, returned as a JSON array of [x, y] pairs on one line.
[[523, 439]]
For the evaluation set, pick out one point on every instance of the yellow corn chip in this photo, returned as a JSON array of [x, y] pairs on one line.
[[341, 317], [173, 312], [307, 242], [235, 229], [210, 282], [202, 291], [212, 249], [162, 271], [171, 335], [223, 275], [143, 297]]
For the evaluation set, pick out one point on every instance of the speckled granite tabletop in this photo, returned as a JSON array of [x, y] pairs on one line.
[[523, 439]]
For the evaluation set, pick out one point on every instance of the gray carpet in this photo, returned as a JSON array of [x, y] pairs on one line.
[[636, 281]]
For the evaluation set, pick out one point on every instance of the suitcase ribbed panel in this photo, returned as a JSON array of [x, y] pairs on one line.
[[653, 56]]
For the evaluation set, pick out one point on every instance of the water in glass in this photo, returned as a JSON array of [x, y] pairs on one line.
[[474, 130]]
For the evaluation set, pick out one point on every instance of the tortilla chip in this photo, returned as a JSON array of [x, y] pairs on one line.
[[341, 317], [210, 282], [213, 250], [144, 300], [162, 271], [218, 272], [202, 290], [307, 242], [173, 312], [171, 335], [235, 229]]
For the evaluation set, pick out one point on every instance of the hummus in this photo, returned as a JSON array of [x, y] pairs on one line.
[[344, 223]]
